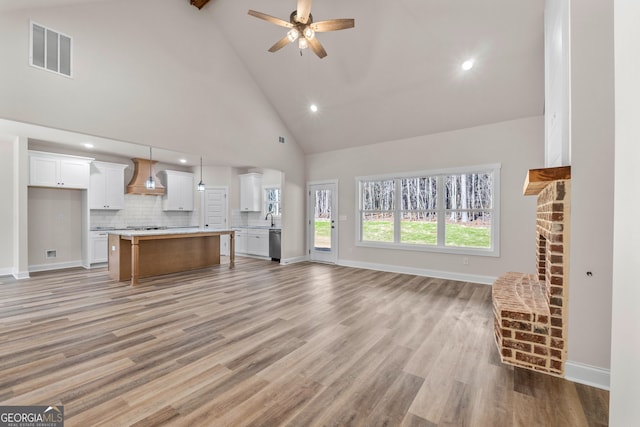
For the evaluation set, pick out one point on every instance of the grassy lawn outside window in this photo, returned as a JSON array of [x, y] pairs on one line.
[[454, 210]]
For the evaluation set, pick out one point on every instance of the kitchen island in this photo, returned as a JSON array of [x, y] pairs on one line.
[[136, 254]]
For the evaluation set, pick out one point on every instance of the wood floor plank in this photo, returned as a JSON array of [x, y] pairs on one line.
[[269, 345]]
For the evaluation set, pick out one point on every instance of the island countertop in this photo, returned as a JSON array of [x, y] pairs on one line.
[[169, 231]]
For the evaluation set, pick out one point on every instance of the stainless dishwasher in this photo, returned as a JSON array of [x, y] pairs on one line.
[[274, 244]]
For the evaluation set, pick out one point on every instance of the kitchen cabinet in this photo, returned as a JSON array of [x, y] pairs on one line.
[[241, 240], [99, 247], [180, 188], [58, 170], [251, 192], [258, 242], [106, 188]]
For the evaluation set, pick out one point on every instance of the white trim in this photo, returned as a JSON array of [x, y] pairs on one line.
[[56, 266], [334, 218], [31, 25], [587, 374], [21, 275], [440, 247], [293, 260], [449, 275], [6, 271]]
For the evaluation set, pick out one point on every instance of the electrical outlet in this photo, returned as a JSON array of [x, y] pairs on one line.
[[465, 260]]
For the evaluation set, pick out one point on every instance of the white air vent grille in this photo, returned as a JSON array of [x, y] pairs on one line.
[[50, 50]]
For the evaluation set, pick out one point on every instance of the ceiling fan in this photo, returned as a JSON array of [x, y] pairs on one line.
[[302, 28]]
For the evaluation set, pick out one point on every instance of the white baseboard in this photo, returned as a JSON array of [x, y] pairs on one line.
[[462, 277], [56, 266], [6, 271], [587, 374], [286, 261], [21, 275]]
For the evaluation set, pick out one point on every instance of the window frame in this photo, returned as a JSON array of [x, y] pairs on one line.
[[266, 201], [32, 25], [441, 211]]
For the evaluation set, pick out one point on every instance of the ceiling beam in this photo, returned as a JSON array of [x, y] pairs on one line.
[[199, 3]]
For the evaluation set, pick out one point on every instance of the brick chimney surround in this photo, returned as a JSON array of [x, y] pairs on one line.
[[530, 310]]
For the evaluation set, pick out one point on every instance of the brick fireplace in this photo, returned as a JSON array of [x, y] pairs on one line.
[[530, 310]]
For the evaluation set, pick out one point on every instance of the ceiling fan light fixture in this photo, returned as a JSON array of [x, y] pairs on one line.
[[201, 184], [303, 43], [309, 33], [150, 183], [293, 35]]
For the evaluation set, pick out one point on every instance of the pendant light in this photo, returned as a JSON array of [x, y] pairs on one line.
[[150, 183], [201, 184]]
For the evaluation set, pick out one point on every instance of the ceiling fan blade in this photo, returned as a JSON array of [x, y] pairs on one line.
[[271, 19], [280, 44], [332, 25], [303, 10], [317, 48]]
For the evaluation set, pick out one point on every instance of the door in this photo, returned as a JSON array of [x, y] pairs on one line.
[[215, 213], [322, 213]]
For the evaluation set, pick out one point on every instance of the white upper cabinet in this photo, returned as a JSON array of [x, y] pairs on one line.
[[106, 190], [57, 170], [251, 192], [180, 188]]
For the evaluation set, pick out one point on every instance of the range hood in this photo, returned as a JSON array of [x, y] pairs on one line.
[[140, 175]]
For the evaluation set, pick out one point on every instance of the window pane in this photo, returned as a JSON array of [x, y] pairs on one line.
[[377, 226], [52, 50], [38, 46], [468, 229], [272, 200], [419, 228], [418, 193], [322, 234], [378, 195], [469, 191], [65, 55]]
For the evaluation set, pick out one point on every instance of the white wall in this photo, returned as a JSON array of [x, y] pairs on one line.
[[592, 169], [55, 223], [518, 145], [154, 72], [625, 342], [6, 213]]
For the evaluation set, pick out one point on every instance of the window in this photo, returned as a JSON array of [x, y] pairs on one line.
[[50, 50], [272, 197], [445, 211]]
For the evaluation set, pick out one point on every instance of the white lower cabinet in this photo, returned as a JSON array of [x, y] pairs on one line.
[[258, 242], [251, 241], [99, 247], [241, 240]]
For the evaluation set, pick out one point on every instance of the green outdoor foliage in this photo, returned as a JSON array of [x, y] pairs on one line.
[[419, 232]]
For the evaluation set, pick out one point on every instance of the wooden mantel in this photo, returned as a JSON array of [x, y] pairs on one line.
[[537, 179], [199, 3]]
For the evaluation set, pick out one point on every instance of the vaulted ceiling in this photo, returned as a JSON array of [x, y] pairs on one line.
[[396, 74]]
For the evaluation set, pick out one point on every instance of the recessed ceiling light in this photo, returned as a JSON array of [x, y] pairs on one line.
[[313, 108], [88, 145], [467, 65], [183, 160]]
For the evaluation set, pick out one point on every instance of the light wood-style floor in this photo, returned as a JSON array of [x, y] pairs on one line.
[[270, 345]]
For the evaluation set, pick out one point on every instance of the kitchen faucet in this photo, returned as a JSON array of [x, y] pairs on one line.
[[267, 215]]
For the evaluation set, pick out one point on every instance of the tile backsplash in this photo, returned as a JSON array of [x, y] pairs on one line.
[[141, 211]]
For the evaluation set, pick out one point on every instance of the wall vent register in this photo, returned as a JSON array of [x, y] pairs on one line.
[[50, 50]]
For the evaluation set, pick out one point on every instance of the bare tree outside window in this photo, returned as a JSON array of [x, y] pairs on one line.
[[439, 210]]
